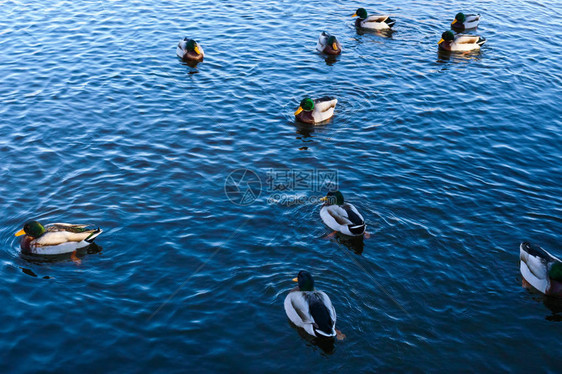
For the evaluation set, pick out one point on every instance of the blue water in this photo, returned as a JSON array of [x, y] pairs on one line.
[[453, 160]]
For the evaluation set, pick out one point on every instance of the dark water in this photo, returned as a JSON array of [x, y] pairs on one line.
[[452, 161]]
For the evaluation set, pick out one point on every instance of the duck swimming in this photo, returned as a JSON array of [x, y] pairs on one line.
[[341, 216], [55, 238], [460, 42], [190, 50], [309, 309], [328, 44], [540, 269], [464, 22], [316, 111], [375, 22]]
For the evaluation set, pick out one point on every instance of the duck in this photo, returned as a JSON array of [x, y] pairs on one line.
[[315, 111], [55, 238], [374, 22], [340, 216], [540, 269], [464, 22], [190, 50], [310, 309], [460, 42], [328, 44]]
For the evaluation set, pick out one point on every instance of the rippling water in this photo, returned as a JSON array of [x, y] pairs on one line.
[[452, 160]]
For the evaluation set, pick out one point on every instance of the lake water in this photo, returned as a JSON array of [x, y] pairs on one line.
[[453, 161]]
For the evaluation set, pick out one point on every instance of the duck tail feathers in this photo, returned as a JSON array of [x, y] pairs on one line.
[[481, 40], [93, 235], [324, 334]]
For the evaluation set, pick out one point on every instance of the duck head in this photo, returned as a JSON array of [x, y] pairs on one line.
[[460, 18], [307, 104], [31, 228], [333, 42], [306, 283], [447, 36], [192, 46], [361, 13], [333, 197]]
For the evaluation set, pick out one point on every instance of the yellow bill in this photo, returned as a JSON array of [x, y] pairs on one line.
[[324, 198], [20, 233], [354, 15], [454, 21], [298, 111], [197, 50], [441, 41], [295, 279], [335, 46]]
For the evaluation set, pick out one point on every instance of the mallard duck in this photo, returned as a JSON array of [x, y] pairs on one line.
[[190, 50], [460, 42], [464, 22], [310, 309], [55, 238], [328, 44], [316, 111], [375, 22], [341, 216], [540, 269]]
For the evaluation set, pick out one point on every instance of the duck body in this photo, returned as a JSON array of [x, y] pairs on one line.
[[316, 111], [328, 44], [58, 238], [311, 310], [463, 22], [373, 22], [190, 50], [460, 43], [341, 216], [540, 269]]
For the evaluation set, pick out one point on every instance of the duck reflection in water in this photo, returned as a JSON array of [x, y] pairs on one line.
[[387, 34], [353, 243], [327, 346], [75, 257]]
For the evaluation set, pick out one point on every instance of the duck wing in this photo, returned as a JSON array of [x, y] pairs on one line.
[[325, 103], [58, 233], [353, 214], [375, 19], [466, 39], [322, 312]]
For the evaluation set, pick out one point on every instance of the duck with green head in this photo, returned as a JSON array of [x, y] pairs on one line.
[[460, 42], [540, 269], [316, 111], [310, 309], [341, 216], [373, 22], [190, 50], [55, 238], [463, 22], [328, 44]]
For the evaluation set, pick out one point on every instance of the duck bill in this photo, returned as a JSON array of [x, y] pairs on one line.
[[441, 41], [197, 50], [295, 280], [20, 233], [324, 198], [335, 46], [354, 15], [454, 21], [298, 111]]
